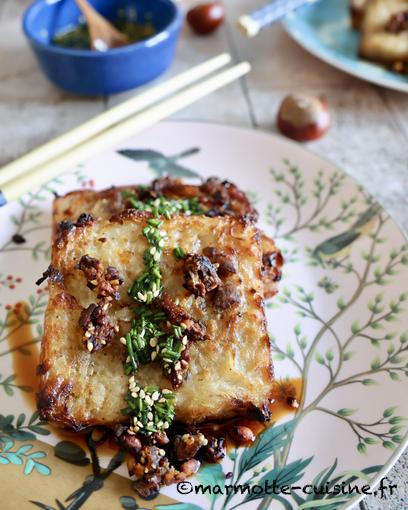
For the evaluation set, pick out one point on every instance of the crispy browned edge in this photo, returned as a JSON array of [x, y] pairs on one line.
[[53, 393], [175, 188]]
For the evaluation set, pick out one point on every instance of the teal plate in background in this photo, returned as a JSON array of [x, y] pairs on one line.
[[323, 28]]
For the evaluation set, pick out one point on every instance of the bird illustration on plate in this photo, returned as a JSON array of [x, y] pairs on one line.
[[160, 164], [339, 246]]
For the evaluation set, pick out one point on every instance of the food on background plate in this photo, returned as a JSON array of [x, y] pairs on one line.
[[206, 18], [155, 322], [303, 117], [384, 28], [357, 9]]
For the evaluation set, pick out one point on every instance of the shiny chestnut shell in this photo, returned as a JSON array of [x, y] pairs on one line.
[[303, 117], [205, 18]]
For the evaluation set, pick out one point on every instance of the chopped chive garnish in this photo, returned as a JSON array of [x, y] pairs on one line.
[[147, 341], [150, 337], [179, 252], [147, 414]]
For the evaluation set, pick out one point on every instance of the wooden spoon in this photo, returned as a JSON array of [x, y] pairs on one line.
[[102, 33]]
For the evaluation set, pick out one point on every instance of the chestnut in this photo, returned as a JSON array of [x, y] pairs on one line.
[[205, 18], [303, 117]]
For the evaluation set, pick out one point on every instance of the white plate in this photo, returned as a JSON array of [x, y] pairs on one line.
[[338, 324]]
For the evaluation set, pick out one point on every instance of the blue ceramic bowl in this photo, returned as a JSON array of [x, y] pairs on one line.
[[89, 72]]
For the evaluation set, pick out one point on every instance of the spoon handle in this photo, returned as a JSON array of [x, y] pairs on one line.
[[253, 23]]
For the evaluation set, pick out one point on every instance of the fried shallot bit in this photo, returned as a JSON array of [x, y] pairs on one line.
[[84, 219], [65, 226], [190, 467], [92, 269], [214, 451], [105, 281], [225, 262], [398, 23], [186, 446], [130, 443], [241, 434], [272, 263], [175, 314], [98, 329], [200, 275], [151, 469], [223, 199], [226, 296], [52, 274]]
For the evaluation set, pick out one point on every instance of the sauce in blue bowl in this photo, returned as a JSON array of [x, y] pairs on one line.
[[88, 72]]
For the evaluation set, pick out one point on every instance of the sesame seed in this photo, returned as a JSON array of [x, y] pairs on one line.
[[128, 359], [150, 416], [142, 394], [153, 342], [184, 340], [140, 424], [134, 394], [159, 424], [131, 432], [155, 395], [87, 334], [103, 342], [116, 328], [141, 296], [162, 452], [150, 424], [93, 282], [165, 425], [146, 470], [205, 441], [122, 340], [136, 429], [148, 400], [105, 307], [132, 379], [153, 355], [89, 346], [182, 324], [177, 366], [156, 256], [165, 391], [152, 250], [161, 400]]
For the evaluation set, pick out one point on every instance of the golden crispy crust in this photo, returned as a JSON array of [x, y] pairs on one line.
[[230, 373], [106, 203]]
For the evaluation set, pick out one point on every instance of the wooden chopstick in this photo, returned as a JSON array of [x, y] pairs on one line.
[[96, 125], [15, 188]]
